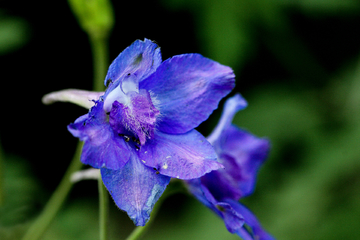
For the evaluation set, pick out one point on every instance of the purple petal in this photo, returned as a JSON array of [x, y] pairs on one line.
[[188, 88], [242, 154], [249, 153], [202, 194], [221, 183], [135, 188], [232, 219], [231, 107], [256, 231], [102, 146], [183, 156], [139, 60]]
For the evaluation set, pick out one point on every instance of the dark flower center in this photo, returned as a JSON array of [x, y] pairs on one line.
[[134, 115]]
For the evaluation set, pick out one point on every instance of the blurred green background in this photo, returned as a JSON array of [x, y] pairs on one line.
[[297, 63]]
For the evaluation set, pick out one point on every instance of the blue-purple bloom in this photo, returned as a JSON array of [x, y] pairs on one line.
[[140, 133], [242, 154]]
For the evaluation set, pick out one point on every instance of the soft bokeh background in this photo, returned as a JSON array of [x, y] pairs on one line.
[[297, 63]]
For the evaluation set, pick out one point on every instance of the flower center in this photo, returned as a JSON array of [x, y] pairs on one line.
[[132, 112]]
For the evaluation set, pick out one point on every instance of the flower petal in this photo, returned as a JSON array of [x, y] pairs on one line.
[[242, 154], [82, 98], [139, 60], [231, 107], [254, 230], [102, 146], [188, 88], [183, 156], [249, 153], [202, 194], [221, 183], [135, 188], [232, 219]]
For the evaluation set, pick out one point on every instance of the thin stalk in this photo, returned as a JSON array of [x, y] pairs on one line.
[[57, 199], [99, 49], [1, 175], [100, 56], [103, 210], [36, 230]]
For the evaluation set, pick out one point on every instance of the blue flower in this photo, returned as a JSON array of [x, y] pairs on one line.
[[242, 154], [140, 133]]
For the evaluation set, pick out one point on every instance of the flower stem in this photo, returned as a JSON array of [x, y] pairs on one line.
[[99, 49], [100, 56], [57, 199], [1, 175], [103, 210], [36, 230]]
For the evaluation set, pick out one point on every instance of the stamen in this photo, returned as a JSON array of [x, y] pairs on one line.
[[126, 138], [136, 140]]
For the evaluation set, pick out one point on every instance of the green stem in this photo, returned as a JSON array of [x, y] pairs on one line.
[[36, 230], [100, 56], [103, 210], [99, 49], [40, 225], [1, 176]]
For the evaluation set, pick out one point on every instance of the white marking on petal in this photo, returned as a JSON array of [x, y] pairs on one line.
[[128, 85], [155, 101], [165, 166], [155, 192], [115, 95]]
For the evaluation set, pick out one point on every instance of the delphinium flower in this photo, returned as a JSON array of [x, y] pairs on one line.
[[140, 132], [242, 154]]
